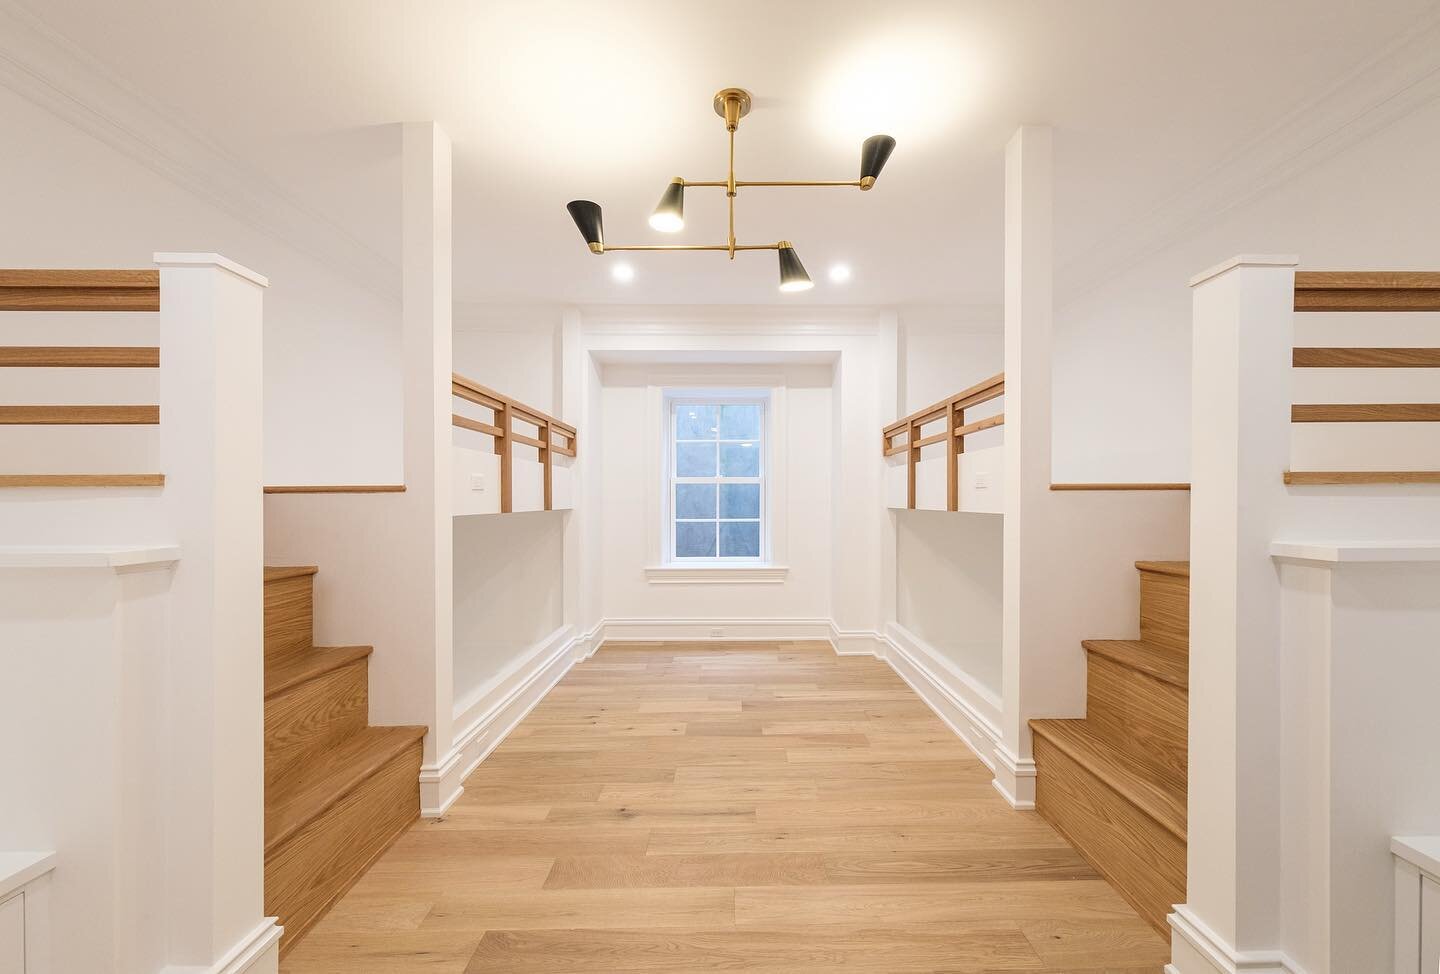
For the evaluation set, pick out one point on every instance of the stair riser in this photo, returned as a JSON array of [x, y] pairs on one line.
[[305, 876], [1144, 861], [1142, 716], [1165, 610], [306, 720], [289, 609]]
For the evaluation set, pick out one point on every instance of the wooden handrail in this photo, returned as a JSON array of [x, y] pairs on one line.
[[952, 410], [79, 290], [334, 488], [1365, 358], [79, 357], [550, 431], [79, 415], [1367, 291], [1345, 478], [82, 480], [1374, 412], [1130, 486]]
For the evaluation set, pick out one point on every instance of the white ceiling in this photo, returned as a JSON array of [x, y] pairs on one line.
[[550, 101]]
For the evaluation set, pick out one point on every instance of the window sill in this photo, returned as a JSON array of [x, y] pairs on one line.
[[716, 574]]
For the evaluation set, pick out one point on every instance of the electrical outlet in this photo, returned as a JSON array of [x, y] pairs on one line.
[[477, 481], [716, 633]]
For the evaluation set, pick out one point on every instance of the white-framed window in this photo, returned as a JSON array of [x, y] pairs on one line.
[[716, 497]]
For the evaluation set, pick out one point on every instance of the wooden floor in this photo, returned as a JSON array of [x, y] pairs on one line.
[[710, 807]]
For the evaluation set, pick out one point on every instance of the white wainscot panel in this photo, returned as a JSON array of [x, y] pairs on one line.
[[897, 482], [475, 481], [982, 480]]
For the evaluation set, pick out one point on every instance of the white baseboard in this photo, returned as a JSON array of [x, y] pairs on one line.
[[1198, 949], [701, 630], [490, 714], [258, 952]]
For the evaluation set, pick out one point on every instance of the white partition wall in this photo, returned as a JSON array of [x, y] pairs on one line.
[[1312, 665], [131, 714]]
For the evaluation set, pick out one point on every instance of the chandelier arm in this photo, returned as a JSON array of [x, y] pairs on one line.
[[724, 247], [740, 183]]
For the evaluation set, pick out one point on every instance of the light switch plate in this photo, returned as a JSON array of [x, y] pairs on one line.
[[477, 481]]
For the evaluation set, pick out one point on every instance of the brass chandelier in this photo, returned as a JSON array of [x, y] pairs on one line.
[[731, 104]]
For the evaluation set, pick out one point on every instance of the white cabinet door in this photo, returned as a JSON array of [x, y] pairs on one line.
[[12, 935], [1429, 926]]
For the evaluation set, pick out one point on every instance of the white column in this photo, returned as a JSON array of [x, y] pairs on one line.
[[891, 406], [426, 352], [1042, 677], [210, 450], [1240, 430], [570, 406]]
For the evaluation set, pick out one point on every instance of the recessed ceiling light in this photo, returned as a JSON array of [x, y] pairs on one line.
[[623, 273], [840, 273]]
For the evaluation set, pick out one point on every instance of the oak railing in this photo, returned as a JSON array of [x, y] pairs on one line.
[[506, 412], [952, 411], [1382, 291], [80, 290]]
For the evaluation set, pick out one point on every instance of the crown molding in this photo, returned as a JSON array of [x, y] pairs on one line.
[[43, 66], [1391, 84]]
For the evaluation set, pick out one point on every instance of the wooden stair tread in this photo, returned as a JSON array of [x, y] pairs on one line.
[[307, 792], [1164, 663], [1180, 569], [291, 671], [1135, 784], [282, 572]]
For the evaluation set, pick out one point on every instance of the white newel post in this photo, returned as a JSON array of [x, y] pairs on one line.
[[210, 448], [426, 343], [1040, 677], [1242, 340]]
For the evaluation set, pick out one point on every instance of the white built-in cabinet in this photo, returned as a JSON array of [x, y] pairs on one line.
[[1417, 904], [24, 912]]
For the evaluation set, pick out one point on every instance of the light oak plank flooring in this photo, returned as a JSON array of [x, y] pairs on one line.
[[768, 808]]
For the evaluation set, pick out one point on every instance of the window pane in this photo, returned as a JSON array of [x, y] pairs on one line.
[[695, 539], [694, 422], [695, 459], [740, 459], [740, 422], [739, 539], [739, 500], [694, 501]]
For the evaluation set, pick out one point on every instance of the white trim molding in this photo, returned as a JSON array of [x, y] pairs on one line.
[[682, 574], [115, 557], [662, 630], [258, 952], [1196, 943], [492, 712], [1354, 552]]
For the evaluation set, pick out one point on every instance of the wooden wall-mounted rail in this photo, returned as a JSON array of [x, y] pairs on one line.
[[80, 290], [552, 436], [952, 410], [1365, 291]]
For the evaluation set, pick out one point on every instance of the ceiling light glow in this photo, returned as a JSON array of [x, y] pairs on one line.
[[623, 273], [840, 273]]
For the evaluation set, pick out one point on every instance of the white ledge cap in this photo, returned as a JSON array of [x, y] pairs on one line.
[[211, 260], [1421, 851], [1356, 552], [116, 557], [1245, 260], [19, 868]]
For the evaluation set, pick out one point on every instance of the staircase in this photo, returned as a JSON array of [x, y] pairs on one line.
[[1114, 782], [337, 791]]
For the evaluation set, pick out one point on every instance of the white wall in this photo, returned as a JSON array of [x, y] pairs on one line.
[[332, 381], [630, 472], [508, 594], [1122, 350]]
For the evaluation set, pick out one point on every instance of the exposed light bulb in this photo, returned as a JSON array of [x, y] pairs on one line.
[[791, 286], [666, 222], [623, 273]]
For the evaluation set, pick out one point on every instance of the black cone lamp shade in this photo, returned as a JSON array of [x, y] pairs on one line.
[[587, 217], [792, 272], [873, 155], [669, 215]]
